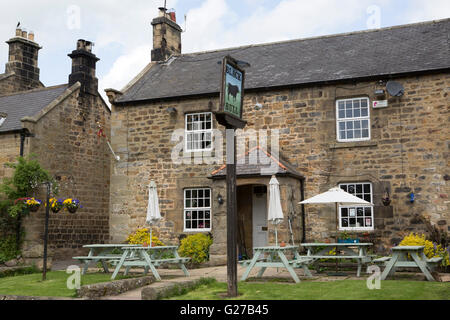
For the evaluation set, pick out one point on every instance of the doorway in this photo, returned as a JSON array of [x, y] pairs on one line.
[[252, 219]]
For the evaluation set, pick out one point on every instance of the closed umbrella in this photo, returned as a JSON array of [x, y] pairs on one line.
[[153, 213], [275, 215]]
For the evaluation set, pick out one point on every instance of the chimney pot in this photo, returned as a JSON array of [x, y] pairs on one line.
[[31, 36], [24, 34], [18, 32]]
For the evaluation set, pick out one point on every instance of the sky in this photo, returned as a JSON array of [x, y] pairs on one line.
[[122, 32]]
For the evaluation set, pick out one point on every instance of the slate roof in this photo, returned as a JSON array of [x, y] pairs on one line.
[[258, 162], [27, 103], [390, 51]]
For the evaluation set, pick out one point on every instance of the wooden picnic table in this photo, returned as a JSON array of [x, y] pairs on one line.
[[102, 253], [149, 258], [274, 257], [357, 251], [400, 259]]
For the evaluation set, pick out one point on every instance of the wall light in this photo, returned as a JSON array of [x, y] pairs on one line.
[[220, 199]]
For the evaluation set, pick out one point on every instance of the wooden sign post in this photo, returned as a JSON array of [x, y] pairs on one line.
[[230, 116]]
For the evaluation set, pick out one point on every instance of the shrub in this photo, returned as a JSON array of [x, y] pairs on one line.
[[8, 248], [142, 236], [196, 247], [431, 249]]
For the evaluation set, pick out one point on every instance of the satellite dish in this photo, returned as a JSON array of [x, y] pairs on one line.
[[395, 89]]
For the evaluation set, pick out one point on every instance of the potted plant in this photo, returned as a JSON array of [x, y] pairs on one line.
[[56, 205], [72, 205]]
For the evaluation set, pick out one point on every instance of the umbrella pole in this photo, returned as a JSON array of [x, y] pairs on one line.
[[336, 237], [276, 236], [150, 236]]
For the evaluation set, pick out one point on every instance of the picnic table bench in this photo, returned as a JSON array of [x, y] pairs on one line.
[[275, 258], [103, 253], [343, 251], [149, 258], [400, 259]]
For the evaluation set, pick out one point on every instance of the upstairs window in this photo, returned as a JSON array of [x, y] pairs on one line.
[[353, 119], [198, 132]]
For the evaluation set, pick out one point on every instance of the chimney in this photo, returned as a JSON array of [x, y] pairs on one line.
[[23, 59], [166, 36], [83, 67]]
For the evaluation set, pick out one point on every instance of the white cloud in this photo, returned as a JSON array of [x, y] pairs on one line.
[[420, 10], [125, 68], [209, 26]]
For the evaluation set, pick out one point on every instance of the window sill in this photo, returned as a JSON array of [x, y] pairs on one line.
[[197, 230], [357, 229], [356, 144]]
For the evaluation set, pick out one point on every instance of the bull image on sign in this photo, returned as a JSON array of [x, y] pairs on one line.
[[233, 91]]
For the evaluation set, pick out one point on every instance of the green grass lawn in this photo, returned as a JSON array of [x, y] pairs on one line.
[[54, 286], [335, 290]]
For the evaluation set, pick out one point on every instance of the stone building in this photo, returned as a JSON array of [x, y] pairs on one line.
[[324, 102], [58, 124]]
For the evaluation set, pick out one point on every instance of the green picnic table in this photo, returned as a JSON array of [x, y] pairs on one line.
[[357, 251], [274, 257], [102, 253], [149, 258], [400, 259]]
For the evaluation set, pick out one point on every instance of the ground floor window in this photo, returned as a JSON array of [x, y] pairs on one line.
[[357, 217], [197, 209]]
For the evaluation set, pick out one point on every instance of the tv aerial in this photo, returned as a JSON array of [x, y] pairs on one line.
[[395, 89]]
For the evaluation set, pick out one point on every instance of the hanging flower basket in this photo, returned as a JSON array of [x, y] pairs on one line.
[[72, 205], [31, 204], [56, 205]]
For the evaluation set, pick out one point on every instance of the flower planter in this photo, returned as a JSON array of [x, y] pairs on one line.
[[72, 210], [348, 240], [56, 210], [34, 208]]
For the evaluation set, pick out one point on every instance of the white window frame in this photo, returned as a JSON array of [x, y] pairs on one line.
[[200, 131], [191, 208], [2, 120], [355, 208], [345, 120]]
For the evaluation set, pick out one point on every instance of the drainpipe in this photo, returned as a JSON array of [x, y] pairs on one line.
[[23, 134], [302, 191]]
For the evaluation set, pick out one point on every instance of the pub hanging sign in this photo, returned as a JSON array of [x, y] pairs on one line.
[[231, 94]]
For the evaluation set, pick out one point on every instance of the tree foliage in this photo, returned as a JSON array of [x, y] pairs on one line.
[[28, 176]]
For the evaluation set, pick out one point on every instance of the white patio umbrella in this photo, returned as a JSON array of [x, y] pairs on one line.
[[338, 197], [275, 215], [153, 213]]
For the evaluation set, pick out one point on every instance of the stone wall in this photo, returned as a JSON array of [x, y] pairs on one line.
[[408, 151], [10, 150], [67, 145]]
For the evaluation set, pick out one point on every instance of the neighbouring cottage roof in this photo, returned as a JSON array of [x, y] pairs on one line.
[[258, 162], [28, 103], [383, 52]]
